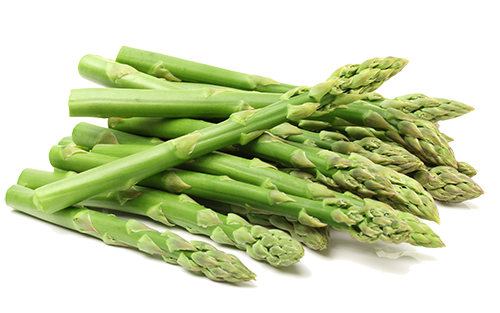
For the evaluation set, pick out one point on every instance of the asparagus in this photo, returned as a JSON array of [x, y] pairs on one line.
[[358, 78], [348, 174], [194, 256], [466, 168], [263, 174], [315, 238], [112, 74], [419, 136], [422, 107], [447, 184], [369, 223], [272, 246], [87, 135], [410, 195], [353, 173], [374, 149], [240, 128], [199, 103]]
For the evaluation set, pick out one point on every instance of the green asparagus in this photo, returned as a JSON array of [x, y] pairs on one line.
[[420, 137], [410, 196], [199, 103], [359, 77], [369, 223], [273, 246], [315, 238], [421, 106], [259, 173], [112, 74], [194, 256], [357, 177], [240, 128], [447, 184], [374, 149]]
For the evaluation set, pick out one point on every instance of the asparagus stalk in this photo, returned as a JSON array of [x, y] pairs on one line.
[[374, 149], [422, 234], [348, 174], [447, 184], [240, 128], [421, 106], [272, 246], [87, 135], [343, 173], [410, 195], [369, 223], [112, 74], [199, 103], [194, 256], [315, 238], [419, 136], [157, 64], [262, 174]]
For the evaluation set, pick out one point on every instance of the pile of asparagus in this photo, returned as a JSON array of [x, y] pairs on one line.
[[247, 161]]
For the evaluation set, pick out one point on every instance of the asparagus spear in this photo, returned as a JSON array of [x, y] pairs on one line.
[[421, 106], [410, 196], [447, 184], [199, 103], [262, 174], [124, 173], [420, 137], [338, 171], [374, 149], [157, 64], [315, 238], [272, 246], [194, 256], [369, 223], [357, 177], [116, 75]]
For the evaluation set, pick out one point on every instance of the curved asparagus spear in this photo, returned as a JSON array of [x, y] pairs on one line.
[[447, 184], [199, 103], [272, 246], [194, 256], [421, 106], [374, 149], [369, 223]]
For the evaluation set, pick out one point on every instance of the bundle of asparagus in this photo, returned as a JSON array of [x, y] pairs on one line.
[[286, 165]]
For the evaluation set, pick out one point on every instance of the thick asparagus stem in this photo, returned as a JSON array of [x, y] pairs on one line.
[[374, 149], [369, 223], [272, 246], [418, 136], [199, 103], [422, 107], [194, 256]]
